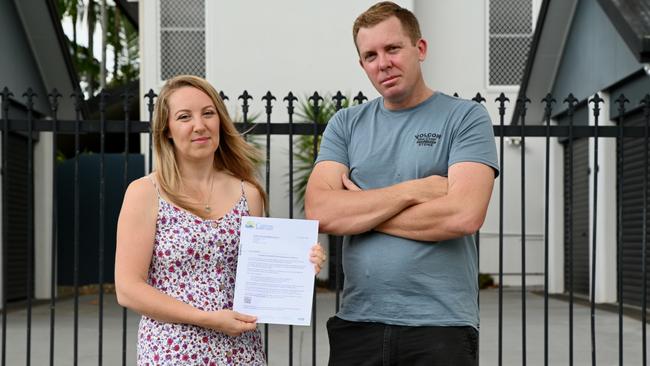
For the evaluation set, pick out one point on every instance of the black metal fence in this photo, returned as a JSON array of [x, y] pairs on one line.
[[568, 132]]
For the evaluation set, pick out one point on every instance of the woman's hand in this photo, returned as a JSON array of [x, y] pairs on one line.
[[230, 322], [317, 256]]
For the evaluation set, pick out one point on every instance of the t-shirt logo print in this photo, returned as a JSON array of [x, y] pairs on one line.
[[427, 138]]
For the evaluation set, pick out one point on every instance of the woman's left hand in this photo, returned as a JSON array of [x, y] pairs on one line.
[[317, 256]]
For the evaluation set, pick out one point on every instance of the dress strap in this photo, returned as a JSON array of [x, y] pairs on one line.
[[242, 188], [153, 181]]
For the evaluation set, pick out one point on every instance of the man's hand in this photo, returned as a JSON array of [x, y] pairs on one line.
[[348, 184]]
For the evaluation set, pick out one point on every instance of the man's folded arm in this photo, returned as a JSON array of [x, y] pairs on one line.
[[344, 212], [458, 213]]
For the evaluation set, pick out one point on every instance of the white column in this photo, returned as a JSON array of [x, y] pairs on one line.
[[556, 218], [43, 195], [605, 222], [149, 19], [1, 228]]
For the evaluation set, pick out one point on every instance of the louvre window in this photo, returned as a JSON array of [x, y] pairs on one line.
[[182, 38], [510, 35]]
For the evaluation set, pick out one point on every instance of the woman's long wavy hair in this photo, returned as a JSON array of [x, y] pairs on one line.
[[234, 155]]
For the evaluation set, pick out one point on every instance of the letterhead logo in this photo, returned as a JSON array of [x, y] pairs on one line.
[[427, 138], [249, 224]]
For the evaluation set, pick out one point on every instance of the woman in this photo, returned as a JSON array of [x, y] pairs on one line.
[[178, 234]]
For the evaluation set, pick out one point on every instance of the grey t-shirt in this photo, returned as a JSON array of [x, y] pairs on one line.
[[399, 281]]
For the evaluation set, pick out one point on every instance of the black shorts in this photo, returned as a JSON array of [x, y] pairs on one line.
[[377, 344]]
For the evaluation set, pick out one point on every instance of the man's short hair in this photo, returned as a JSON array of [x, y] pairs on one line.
[[382, 11]]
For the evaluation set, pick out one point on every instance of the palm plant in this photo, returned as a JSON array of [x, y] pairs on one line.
[[121, 37], [303, 150]]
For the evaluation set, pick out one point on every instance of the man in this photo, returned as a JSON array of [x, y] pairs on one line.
[[407, 178]]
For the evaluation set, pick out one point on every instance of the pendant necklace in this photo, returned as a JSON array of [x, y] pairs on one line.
[[207, 207]]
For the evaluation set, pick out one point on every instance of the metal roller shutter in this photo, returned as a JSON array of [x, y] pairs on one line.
[[580, 186], [633, 215], [17, 218]]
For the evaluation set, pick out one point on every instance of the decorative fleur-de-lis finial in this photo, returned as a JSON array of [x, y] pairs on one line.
[[6, 93], [548, 104], [338, 100], [597, 100], [30, 95], [478, 98], [268, 97], [621, 100], [315, 99], [54, 100], [502, 99], [150, 97], [290, 98], [360, 98], [245, 97], [522, 102], [571, 101]]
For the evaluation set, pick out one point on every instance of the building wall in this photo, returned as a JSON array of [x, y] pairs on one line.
[[595, 56], [18, 69]]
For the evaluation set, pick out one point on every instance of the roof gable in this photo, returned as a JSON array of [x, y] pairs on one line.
[[575, 51], [632, 21]]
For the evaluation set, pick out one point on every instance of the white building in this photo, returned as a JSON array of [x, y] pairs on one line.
[[307, 46]]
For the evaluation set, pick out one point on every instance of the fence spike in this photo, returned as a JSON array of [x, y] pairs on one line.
[[315, 99], [360, 98], [522, 103], [78, 99], [290, 98], [621, 100], [338, 100], [30, 95], [597, 100], [268, 97], [244, 107], [548, 104], [54, 100], [6, 93], [571, 101], [150, 96], [223, 96], [502, 99], [478, 98]]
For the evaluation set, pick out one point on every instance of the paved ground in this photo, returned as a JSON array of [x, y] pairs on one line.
[[606, 326]]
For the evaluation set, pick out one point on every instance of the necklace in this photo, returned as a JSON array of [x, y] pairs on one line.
[[207, 207]]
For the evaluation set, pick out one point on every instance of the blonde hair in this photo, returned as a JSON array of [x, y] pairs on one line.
[[382, 11], [233, 155]]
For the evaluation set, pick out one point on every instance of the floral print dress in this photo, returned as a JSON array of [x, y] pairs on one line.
[[195, 260]]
